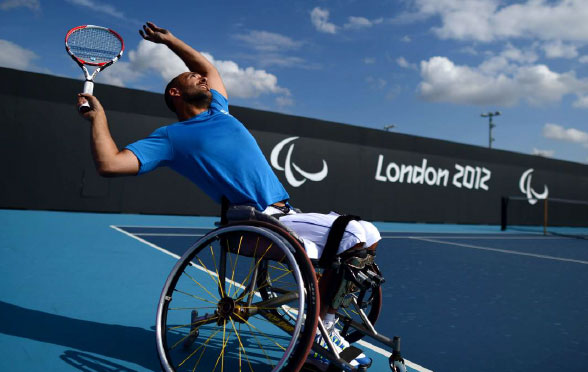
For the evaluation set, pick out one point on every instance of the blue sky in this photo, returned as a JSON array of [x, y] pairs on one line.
[[429, 67]]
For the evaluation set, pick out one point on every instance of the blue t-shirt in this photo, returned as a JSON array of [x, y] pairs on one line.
[[216, 152]]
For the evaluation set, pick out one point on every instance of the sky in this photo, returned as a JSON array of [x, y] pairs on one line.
[[428, 67]]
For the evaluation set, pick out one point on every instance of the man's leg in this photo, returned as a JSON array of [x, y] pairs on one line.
[[329, 283], [314, 229], [359, 236]]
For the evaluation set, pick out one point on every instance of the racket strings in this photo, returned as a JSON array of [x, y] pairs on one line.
[[95, 45]]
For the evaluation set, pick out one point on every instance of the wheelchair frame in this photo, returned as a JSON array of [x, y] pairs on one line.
[[275, 290]]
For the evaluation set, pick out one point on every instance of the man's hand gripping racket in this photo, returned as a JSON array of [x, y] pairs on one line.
[[93, 46]]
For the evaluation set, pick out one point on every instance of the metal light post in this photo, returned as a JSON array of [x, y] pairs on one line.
[[388, 127], [490, 126]]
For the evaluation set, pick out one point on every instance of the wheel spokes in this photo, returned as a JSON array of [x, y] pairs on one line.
[[258, 290]]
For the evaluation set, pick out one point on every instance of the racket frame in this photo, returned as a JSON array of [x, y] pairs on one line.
[[89, 83]]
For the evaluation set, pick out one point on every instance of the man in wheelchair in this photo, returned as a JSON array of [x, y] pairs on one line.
[[217, 153]]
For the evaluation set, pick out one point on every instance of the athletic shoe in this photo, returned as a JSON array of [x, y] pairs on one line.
[[322, 363], [360, 360]]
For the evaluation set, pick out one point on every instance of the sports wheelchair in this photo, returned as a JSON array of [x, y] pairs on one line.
[[245, 297]]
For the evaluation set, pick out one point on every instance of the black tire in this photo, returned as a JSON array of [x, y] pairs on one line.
[[237, 327]]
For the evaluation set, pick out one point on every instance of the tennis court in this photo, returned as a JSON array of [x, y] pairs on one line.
[[80, 292]]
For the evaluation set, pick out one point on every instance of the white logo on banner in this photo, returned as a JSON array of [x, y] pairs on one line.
[[289, 165], [466, 176], [525, 186]]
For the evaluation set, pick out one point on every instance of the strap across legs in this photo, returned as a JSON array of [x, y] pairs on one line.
[[334, 239]]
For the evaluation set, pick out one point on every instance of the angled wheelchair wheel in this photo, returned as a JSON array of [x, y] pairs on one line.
[[369, 301], [243, 298]]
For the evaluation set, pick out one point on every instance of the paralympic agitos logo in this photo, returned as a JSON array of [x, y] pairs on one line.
[[290, 168], [525, 187]]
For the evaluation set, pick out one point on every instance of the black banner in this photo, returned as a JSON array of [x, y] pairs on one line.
[[386, 184], [324, 166]]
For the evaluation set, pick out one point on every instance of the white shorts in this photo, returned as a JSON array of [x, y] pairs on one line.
[[314, 229]]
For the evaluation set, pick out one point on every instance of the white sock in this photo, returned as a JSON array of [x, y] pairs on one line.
[[329, 320]]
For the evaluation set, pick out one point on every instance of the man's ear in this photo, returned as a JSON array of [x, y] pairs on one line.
[[174, 92]]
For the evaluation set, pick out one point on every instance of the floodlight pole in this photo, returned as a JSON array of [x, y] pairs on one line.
[[491, 125], [388, 127]]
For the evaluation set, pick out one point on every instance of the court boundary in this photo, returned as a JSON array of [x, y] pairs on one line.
[[505, 251]]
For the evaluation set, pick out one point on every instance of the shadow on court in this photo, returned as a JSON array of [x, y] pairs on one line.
[[91, 363], [131, 344]]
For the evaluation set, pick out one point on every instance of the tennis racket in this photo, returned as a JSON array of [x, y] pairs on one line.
[[90, 45]]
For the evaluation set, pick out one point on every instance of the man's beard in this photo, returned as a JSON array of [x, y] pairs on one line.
[[199, 98]]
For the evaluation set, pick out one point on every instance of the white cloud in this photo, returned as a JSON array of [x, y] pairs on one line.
[[320, 19], [557, 49], [544, 153], [120, 74], [99, 7], [156, 57], [150, 57], [361, 22], [376, 83], [358, 22], [500, 80], [583, 59], [284, 101], [12, 4], [508, 60], [443, 81], [488, 20], [518, 55], [270, 49], [267, 60], [246, 82], [469, 50], [402, 62], [557, 132], [406, 39], [467, 19], [15, 56], [581, 102], [268, 41], [369, 60]]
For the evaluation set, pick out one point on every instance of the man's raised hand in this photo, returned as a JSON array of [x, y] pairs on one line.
[[95, 106], [155, 34]]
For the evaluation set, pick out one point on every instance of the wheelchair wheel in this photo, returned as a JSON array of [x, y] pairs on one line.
[[244, 297], [370, 302]]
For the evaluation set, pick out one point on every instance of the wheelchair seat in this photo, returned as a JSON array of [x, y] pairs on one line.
[[237, 213]]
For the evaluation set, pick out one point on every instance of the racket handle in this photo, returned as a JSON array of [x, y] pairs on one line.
[[89, 89]]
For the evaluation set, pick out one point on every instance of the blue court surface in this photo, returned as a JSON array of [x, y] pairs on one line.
[[79, 293]]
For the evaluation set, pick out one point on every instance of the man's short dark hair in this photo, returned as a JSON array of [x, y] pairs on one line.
[[168, 98]]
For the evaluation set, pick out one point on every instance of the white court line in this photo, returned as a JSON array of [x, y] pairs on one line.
[[372, 347], [167, 234], [474, 237], [146, 242], [460, 232], [504, 251], [209, 227]]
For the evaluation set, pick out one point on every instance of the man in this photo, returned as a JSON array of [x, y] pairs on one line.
[[215, 151]]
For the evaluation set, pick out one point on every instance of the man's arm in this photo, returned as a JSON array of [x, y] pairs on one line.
[[108, 159], [195, 61]]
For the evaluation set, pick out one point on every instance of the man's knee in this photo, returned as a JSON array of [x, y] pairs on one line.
[[354, 236], [372, 235], [361, 234]]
